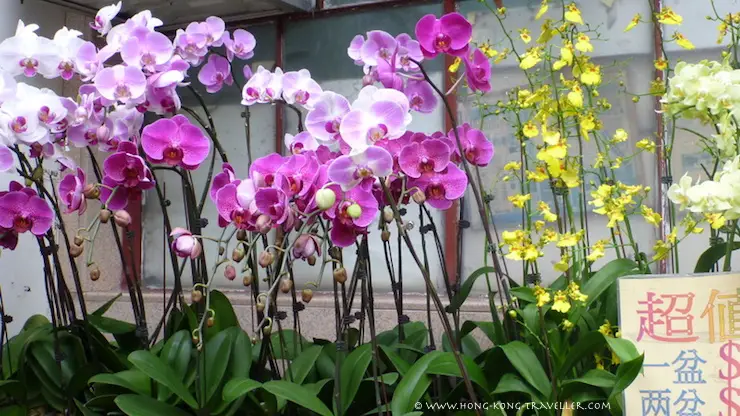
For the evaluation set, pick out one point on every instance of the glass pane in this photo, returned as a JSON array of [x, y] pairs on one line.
[[226, 109], [624, 58], [320, 45]]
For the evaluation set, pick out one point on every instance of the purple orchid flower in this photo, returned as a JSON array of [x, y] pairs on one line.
[[103, 18], [376, 114], [221, 179], [175, 142], [386, 73], [8, 238], [190, 44], [6, 158], [126, 84], [477, 149], [366, 166], [408, 51], [127, 173], [296, 174], [184, 244], [242, 45], [301, 142], [273, 202], [478, 71], [147, 51], [263, 87], [67, 43], [215, 73], [449, 34], [22, 211], [379, 46], [351, 214], [263, 170], [324, 119], [247, 72], [161, 94], [70, 192], [300, 88], [306, 245], [421, 96], [89, 60], [428, 156], [355, 49], [235, 203], [441, 188]]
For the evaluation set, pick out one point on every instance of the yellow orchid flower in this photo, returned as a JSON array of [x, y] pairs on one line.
[[573, 15], [584, 43], [682, 41], [519, 200], [646, 145], [668, 17], [635, 20], [525, 36], [542, 10], [561, 303]]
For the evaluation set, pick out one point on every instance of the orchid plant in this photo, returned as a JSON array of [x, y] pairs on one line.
[[353, 172]]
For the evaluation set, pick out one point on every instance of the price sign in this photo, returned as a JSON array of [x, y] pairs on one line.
[[688, 327]]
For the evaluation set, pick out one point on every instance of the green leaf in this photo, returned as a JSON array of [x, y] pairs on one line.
[[134, 380], [16, 347], [14, 411], [627, 372], [595, 377], [446, 365], [624, 348], [84, 410], [511, 383], [413, 385], [711, 256], [396, 361], [302, 365], [298, 395], [353, 371], [387, 378], [103, 309], [152, 366], [466, 287], [217, 354], [572, 389], [241, 351], [176, 355], [470, 346], [225, 316], [492, 332], [603, 279], [586, 346], [238, 387], [526, 363], [110, 325], [524, 293], [134, 405], [316, 388]]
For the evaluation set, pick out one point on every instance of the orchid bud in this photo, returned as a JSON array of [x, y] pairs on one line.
[[512, 313], [241, 235], [230, 272], [247, 280], [122, 218], [221, 250], [267, 330], [184, 244], [325, 198], [311, 260], [78, 240], [102, 133], [340, 275], [266, 258], [306, 295], [385, 235], [263, 224], [419, 197], [211, 321], [388, 214], [368, 79], [91, 191], [260, 307], [196, 296], [94, 273], [354, 211], [286, 285], [238, 254], [104, 215], [75, 250]]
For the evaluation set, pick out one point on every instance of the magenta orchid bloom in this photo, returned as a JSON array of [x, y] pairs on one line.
[[441, 188], [449, 34], [126, 84], [429, 156], [379, 46], [235, 204], [147, 51], [297, 144], [242, 45], [191, 44], [184, 244], [22, 210], [215, 73], [354, 50], [300, 88], [324, 119], [408, 51], [225, 177], [295, 176], [273, 202], [376, 114], [306, 245], [350, 171], [127, 174], [175, 142], [70, 192], [476, 147], [478, 71], [421, 96], [263, 170], [353, 212]]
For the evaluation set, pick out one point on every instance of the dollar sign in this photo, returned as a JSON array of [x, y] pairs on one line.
[[733, 371]]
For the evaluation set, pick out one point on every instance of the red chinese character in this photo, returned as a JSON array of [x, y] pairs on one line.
[[671, 323]]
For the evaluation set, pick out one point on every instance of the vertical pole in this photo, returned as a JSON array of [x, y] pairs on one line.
[[451, 229], [279, 107]]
